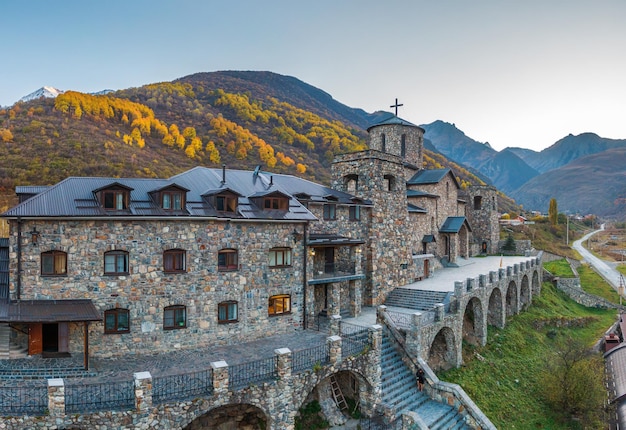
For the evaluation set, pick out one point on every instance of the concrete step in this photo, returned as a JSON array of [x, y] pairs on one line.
[[416, 299]]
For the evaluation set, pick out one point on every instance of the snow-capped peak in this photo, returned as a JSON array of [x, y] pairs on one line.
[[48, 92]]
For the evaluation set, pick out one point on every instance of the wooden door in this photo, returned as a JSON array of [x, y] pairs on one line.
[[426, 268], [35, 339]]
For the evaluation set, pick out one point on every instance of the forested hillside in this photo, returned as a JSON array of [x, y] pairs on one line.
[[240, 119]]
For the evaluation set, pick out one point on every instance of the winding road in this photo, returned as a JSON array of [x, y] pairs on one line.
[[605, 269]]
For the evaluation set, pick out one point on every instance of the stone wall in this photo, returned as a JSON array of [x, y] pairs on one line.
[[484, 217], [146, 290]]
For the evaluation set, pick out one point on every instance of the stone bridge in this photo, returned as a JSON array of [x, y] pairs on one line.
[[489, 299]]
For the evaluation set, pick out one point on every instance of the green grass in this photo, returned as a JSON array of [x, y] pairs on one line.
[[506, 385], [559, 268], [595, 284]]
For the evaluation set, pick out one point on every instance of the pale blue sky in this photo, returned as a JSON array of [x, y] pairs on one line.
[[511, 73]]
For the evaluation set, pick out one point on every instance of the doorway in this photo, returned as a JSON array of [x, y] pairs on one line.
[[50, 337]]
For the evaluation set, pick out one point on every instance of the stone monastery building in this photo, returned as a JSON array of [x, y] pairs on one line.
[[107, 266]]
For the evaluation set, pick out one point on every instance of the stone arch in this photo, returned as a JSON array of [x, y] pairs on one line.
[[495, 312], [319, 389], [525, 296], [474, 330], [511, 299], [351, 183], [443, 350], [536, 284], [231, 417]]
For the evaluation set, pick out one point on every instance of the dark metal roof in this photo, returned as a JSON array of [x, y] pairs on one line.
[[428, 238], [453, 224], [320, 240], [420, 193], [615, 362], [74, 196], [30, 189], [393, 120], [416, 209], [42, 311], [433, 176]]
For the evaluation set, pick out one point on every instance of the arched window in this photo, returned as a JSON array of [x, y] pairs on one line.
[[227, 312], [117, 321], [54, 263], [116, 263], [174, 317], [174, 260], [351, 183], [403, 145], [383, 143], [280, 304], [227, 260]]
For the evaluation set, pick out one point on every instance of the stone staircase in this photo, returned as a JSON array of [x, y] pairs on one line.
[[421, 300], [5, 333], [399, 391]]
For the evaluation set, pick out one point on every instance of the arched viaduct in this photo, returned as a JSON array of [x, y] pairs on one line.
[[490, 299]]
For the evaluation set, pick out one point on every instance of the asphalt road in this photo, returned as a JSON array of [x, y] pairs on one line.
[[606, 270]]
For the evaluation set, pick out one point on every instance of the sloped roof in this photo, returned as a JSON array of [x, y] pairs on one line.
[[49, 311], [416, 209], [420, 193], [453, 224], [74, 196], [393, 120], [431, 176]]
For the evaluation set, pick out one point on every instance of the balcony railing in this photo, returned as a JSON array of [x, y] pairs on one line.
[[323, 270]]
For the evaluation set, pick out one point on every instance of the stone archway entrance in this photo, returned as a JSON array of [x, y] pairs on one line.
[[473, 326], [495, 314], [511, 299], [231, 417]]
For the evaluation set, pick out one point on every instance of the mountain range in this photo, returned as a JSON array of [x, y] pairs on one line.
[[245, 118]]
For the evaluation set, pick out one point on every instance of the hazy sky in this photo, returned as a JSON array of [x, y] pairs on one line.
[[511, 73]]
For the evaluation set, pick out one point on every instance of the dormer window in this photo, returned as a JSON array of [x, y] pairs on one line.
[[226, 203], [172, 200], [275, 203], [115, 200], [113, 197]]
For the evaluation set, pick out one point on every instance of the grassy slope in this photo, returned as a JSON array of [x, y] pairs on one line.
[[505, 385]]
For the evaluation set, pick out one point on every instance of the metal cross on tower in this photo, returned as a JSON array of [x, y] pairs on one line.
[[396, 106]]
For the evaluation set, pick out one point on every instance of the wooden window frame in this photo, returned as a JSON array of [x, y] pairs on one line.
[[175, 261], [285, 305], [116, 200], [282, 254], [225, 307], [226, 203], [116, 322], [54, 255], [330, 211], [354, 213], [176, 312], [275, 203], [117, 254], [231, 262], [172, 197]]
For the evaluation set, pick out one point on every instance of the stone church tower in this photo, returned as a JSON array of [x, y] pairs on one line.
[[379, 174], [482, 212]]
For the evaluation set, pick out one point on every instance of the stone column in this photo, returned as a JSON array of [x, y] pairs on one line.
[[439, 311], [220, 377], [334, 346], [355, 297], [56, 397], [334, 299], [471, 284], [143, 391], [459, 291], [283, 363], [371, 394], [380, 312], [482, 281], [335, 329], [414, 336]]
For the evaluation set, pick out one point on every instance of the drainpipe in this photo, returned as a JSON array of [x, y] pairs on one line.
[[304, 279], [19, 260]]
